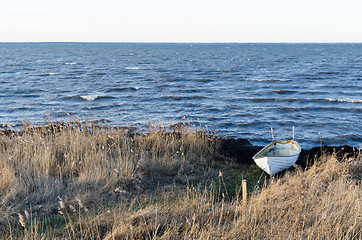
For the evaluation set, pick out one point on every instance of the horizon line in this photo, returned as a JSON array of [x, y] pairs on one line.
[[170, 42]]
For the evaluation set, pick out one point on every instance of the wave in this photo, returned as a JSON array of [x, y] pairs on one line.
[[282, 91], [186, 90], [48, 74], [354, 87], [178, 98], [96, 74], [318, 109], [87, 97], [122, 89], [252, 123], [347, 100], [30, 96], [197, 97], [132, 68], [75, 73], [95, 97], [351, 137], [314, 100], [202, 80], [171, 98], [336, 109], [268, 80], [286, 109], [17, 109], [27, 91], [328, 72], [312, 77], [214, 109], [261, 80], [224, 70], [277, 100]]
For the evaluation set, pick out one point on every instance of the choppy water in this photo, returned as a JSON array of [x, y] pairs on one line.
[[241, 90]]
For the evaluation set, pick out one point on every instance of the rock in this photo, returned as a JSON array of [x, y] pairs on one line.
[[239, 149], [243, 151], [308, 157]]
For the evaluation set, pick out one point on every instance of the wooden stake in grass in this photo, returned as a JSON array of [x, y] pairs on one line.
[[245, 191]]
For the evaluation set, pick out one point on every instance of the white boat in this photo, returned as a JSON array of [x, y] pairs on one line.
[[277, 156]]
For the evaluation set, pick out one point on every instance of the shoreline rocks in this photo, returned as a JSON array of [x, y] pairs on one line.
[[243, 151]]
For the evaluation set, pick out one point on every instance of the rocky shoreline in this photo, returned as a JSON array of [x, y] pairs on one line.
[[243, 151]]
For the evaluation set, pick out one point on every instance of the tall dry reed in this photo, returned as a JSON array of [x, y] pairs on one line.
[[84, 181], [90, 160], [323, 202]]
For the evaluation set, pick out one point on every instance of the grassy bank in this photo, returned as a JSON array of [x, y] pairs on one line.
[[85, 181]]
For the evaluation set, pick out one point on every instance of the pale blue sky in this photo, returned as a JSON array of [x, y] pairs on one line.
[[181, 21]]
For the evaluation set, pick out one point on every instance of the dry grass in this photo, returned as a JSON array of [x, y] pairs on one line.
[[82, 181], [321, 203]]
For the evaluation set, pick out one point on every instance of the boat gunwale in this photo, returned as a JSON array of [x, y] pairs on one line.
[[257, 155]]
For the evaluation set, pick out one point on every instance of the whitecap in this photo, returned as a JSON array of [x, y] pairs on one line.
[[121, 89], [71, 63], [268, 80], [90, 97], [348, 100], [132, 68], [261, 80]]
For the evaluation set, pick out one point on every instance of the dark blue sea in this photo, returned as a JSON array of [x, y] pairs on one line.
[[238, 90]]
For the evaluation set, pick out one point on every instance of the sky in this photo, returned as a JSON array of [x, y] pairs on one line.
[[181, 21]]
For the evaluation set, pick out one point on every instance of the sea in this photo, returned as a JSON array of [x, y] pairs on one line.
[[235, 90]]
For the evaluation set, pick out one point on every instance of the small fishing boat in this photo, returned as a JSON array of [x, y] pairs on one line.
[[278, 155]]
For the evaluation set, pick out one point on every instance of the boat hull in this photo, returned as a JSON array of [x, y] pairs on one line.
[[273, 165], [277, 156]]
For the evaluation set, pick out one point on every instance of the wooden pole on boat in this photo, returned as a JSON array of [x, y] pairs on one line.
[[293, 132], [245, 191], [272, 133]]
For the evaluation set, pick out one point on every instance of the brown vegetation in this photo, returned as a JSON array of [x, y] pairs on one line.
[[86, 181]]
